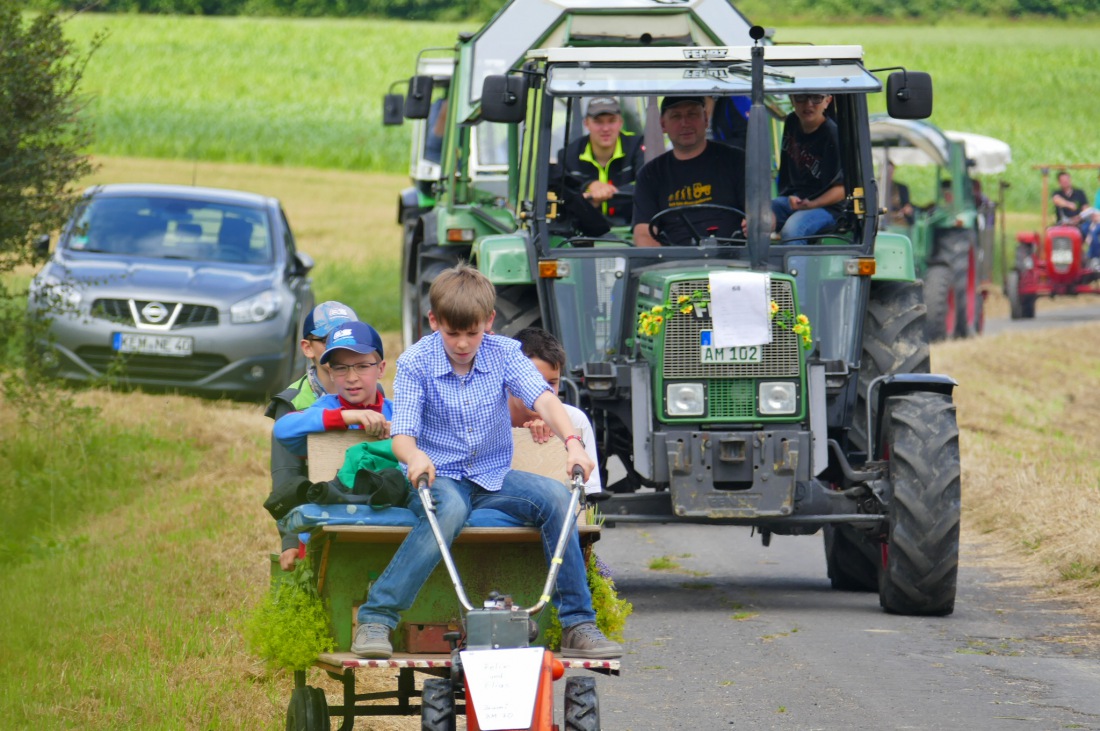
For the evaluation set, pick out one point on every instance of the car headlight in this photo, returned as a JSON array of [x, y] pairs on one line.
[[263, 306], [685, 399], [778, 397]]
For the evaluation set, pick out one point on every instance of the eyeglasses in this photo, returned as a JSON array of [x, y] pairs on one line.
[[361, 369], [315, 339], [811, 98]]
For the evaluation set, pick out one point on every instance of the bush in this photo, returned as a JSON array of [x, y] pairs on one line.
[[290, 628]]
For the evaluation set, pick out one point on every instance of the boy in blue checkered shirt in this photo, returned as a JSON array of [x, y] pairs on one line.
[[452, 425]]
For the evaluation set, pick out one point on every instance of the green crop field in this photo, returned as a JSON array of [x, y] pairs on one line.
[[308, 92]]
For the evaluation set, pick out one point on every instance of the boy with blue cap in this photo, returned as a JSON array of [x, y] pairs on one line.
[[353, 354], [287, 468]]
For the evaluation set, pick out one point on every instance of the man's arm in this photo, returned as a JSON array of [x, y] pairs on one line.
[[642, 236]]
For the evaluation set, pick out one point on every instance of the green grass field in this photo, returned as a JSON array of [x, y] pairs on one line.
[[308, 92]]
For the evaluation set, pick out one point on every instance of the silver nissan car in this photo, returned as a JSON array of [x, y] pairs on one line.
[[198, 289]]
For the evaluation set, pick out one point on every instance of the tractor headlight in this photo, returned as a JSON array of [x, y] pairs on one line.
[[685, 399], [777, 397]]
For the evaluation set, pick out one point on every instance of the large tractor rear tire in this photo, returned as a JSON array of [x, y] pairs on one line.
[[941, 302], [852, 558], [894, 341], [921, 444]]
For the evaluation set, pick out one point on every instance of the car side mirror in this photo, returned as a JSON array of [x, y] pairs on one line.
[[303, 263], [418, 102], [393, 110], [909, 95], [504, 99]]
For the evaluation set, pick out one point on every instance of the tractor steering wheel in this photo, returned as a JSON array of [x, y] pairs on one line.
[[681, 212]]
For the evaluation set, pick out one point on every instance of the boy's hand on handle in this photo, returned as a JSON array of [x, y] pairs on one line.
[[577, 457], [421, 465], [372, 423]]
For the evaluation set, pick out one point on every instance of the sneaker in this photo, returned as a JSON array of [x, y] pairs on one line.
[[372, 640], [585, 640]]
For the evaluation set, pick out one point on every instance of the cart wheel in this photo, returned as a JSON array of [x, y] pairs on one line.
[[308, 710], [582, 705], [437, 705]]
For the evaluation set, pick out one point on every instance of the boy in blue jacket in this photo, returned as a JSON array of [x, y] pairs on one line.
[[353, 353], [452, 426]]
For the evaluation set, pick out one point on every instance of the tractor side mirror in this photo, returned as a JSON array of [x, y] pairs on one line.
[[41, 246], [504, 99], [418, 102], [909, 95], [393, 110]]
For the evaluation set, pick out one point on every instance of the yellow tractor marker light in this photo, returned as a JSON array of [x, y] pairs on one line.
[[460, 235], [553, 269], [862, 267]]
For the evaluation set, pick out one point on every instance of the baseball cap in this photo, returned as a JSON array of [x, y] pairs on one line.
[[670, 101], [602, 105], [321, 320], [358, 337]]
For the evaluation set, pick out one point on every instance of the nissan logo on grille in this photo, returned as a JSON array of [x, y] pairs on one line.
[[154, 312]]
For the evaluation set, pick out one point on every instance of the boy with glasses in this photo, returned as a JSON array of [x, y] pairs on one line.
[[353, 354], [811, 181], [288, 470]]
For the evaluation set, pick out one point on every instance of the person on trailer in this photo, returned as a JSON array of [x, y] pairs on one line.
[[287, 468], [696, 171], [452, 427], [811, 180]]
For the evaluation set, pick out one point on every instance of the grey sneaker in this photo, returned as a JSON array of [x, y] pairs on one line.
[[372, 640], [585, 640]]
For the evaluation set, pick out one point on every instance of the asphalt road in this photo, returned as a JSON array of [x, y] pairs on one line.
[[743, 636], [746, 637]]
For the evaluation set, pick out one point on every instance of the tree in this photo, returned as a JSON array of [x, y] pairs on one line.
[[43, 139]]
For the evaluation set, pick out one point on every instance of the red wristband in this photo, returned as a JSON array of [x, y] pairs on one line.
[[573, 436]]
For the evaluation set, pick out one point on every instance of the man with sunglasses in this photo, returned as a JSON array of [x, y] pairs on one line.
[[811, 181]]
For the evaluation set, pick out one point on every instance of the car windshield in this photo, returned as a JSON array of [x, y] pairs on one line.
[[172, 228]]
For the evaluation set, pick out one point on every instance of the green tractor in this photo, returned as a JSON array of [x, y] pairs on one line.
[[955, 233], [460, 162], [821, 414]]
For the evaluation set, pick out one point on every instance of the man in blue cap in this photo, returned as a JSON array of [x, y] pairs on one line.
[[288, 469]]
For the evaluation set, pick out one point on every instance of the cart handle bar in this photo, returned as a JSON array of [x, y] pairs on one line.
[[570, 522]]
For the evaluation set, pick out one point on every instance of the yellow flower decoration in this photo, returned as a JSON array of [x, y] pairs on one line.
[[651, 320]]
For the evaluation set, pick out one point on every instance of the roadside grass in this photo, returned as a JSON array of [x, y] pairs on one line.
[[308, 92], [1031, 451]]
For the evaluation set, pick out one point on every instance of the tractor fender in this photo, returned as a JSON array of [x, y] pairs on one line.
[[893, 258], [408, 202], [883, 387], [503, 259], [425, 234]]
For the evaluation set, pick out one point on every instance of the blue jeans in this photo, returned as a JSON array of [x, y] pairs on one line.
[[793, 225], [531, 498]]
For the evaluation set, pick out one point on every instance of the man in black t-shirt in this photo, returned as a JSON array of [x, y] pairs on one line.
[[811, 182], [695, 171], [1068, 201]]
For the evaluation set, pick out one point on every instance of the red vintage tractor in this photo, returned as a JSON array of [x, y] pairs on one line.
[[1052, 262]]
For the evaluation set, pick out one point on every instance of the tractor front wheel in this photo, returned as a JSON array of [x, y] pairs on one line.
[[852, 559], [921, 561], [939, 298]]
